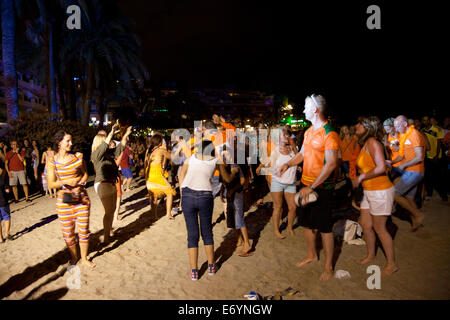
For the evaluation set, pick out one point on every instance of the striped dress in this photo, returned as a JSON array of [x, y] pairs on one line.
[[70, 215]]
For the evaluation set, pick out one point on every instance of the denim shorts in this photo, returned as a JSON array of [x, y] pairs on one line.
[[237, 209], [408, 182], [4, 214], [281, 187]]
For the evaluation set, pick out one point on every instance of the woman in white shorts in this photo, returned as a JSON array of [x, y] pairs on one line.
[[284, 184], [379, 192]]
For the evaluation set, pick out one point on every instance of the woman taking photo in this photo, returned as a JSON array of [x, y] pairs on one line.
[[197, 201], [379, 192], [157, 185], [68, 172], [106, 172]]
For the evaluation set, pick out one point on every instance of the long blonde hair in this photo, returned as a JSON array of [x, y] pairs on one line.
[[98, 139]]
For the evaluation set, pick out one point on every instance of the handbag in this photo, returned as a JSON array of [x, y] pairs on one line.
[[70, 198]]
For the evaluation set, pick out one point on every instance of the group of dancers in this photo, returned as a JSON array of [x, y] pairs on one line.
[[207, 166]]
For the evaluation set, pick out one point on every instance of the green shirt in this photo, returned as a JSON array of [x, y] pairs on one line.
[[104, 164]]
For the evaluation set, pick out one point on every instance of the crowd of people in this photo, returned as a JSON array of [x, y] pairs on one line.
[[397, 161]]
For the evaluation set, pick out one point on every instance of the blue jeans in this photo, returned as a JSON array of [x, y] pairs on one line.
[[195, 204]]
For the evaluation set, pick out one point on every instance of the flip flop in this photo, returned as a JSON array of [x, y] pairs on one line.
[[245, 254]]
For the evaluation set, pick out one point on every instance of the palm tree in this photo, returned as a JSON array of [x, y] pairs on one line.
[[108, 56], [8, 8]]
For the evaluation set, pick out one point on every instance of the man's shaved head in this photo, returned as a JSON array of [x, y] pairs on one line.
[[401, 124], [401, 118]]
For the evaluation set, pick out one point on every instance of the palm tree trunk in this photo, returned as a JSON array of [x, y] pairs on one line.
[[62, 99], [88, 97], [47, 70], [70, 90], [53, 106], [9, 59], [100, 107]]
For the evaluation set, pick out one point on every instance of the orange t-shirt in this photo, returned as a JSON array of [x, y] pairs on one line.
[[315, 143], [347, 148], [228, 126], [365, 163], [414, 140]]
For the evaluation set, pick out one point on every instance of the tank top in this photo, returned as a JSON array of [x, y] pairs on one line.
[[365, 163], [199, 174]]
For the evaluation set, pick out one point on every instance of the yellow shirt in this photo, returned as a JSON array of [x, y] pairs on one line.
[[433, 135]]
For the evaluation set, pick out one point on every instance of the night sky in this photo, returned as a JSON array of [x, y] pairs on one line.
[[298, 49]]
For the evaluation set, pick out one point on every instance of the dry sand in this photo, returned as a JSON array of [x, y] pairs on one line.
[[148, 258]]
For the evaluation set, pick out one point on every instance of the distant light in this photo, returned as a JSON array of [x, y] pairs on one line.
[[94, 119], [76, 78]]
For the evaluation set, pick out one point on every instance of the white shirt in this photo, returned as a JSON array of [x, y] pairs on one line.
[[199, 174], [288, 177]]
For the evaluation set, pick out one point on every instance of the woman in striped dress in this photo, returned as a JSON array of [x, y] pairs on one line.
[[68, 172]]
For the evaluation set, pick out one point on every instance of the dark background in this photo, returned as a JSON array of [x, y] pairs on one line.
[[296, 48]]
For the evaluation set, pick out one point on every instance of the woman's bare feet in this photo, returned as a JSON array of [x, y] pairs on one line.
[[326, 275], [306, 261], [247, 247], [291, 231], [170, 216], [85, 262], [389, 269], [239, 243], [279, 235], [366, 260], [73, 261], [417, 223]]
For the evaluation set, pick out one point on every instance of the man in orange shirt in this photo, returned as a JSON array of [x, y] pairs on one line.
[[411, 155], [319, 156]]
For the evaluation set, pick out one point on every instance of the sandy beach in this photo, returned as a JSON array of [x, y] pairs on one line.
[[147, 258]]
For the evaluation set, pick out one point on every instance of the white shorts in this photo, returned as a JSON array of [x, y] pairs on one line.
[[379, 202]]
